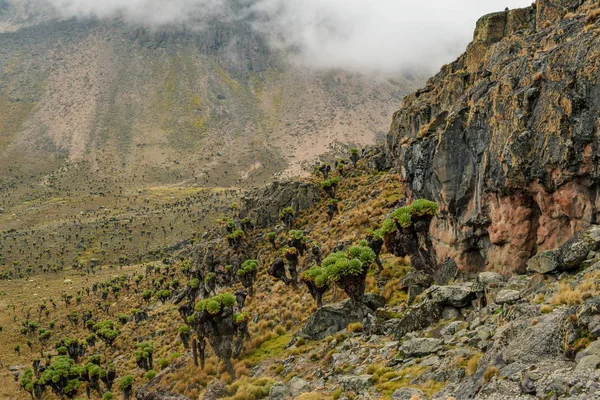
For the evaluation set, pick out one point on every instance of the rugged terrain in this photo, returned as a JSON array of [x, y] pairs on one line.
[[347, 284], [506, 137], [100, 115]]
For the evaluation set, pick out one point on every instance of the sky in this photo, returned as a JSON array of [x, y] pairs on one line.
[[387, 36]]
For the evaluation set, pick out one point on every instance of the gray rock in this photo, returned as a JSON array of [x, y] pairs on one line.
[[416, 317], [420, 347], [589, 315], [279, 391], [407, 394], [450, 312], [459, 295], [543, 263], [450, 329], [215, 390], [592, 349], [569, 256], [430, 361], [415, 278], [333, 318], [491, 279], [588, 362], [298, 386], [575, 251], [354, 383], [507, 296], [430, 309]]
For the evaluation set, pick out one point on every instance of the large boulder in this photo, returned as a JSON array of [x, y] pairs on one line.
[[333, 318], [569, 255], [459, 295], [431, 307], [420, 347]]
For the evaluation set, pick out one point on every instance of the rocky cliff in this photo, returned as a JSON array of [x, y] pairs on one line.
[[506, 137]]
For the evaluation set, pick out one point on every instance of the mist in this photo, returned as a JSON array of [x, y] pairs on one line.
[[387, 36]]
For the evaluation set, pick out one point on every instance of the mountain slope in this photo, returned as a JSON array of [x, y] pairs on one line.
[[217, 105]]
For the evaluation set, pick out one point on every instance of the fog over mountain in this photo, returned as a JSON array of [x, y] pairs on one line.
[[380, 35]]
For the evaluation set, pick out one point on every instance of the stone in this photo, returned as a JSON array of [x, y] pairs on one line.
[[279, 391], [543, 263], [507, 296], [333, 318], [430, 361], [415, 277], [492, 279], [416, 317], [298, 386], [453, 295], [575, 251], [163, 395], [408, 394], [588, 314], [215, 390], [588, 362], [452, 328], [420, 347], [592, 349], [354, 383]]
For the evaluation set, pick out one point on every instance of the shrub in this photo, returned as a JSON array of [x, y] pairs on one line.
[[352, 262], [285, 212], [106, 330], [422, 207], [248, 267], [150, 374], [163, 295], [316, 275], [126, 383], [214, 304]]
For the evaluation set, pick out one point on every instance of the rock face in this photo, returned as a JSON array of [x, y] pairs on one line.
[[263, 205], [506, 138]]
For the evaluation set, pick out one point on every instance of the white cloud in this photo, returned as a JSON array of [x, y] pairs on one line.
[[361, 35]]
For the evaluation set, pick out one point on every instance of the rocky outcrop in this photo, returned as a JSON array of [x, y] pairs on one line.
[[263, 205], [333, 318], [506, 138], [569, 256]]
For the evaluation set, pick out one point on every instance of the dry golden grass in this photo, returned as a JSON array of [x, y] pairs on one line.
[[472, 364], [546, 309], [490, 372], [570, 296], [592, 16]]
